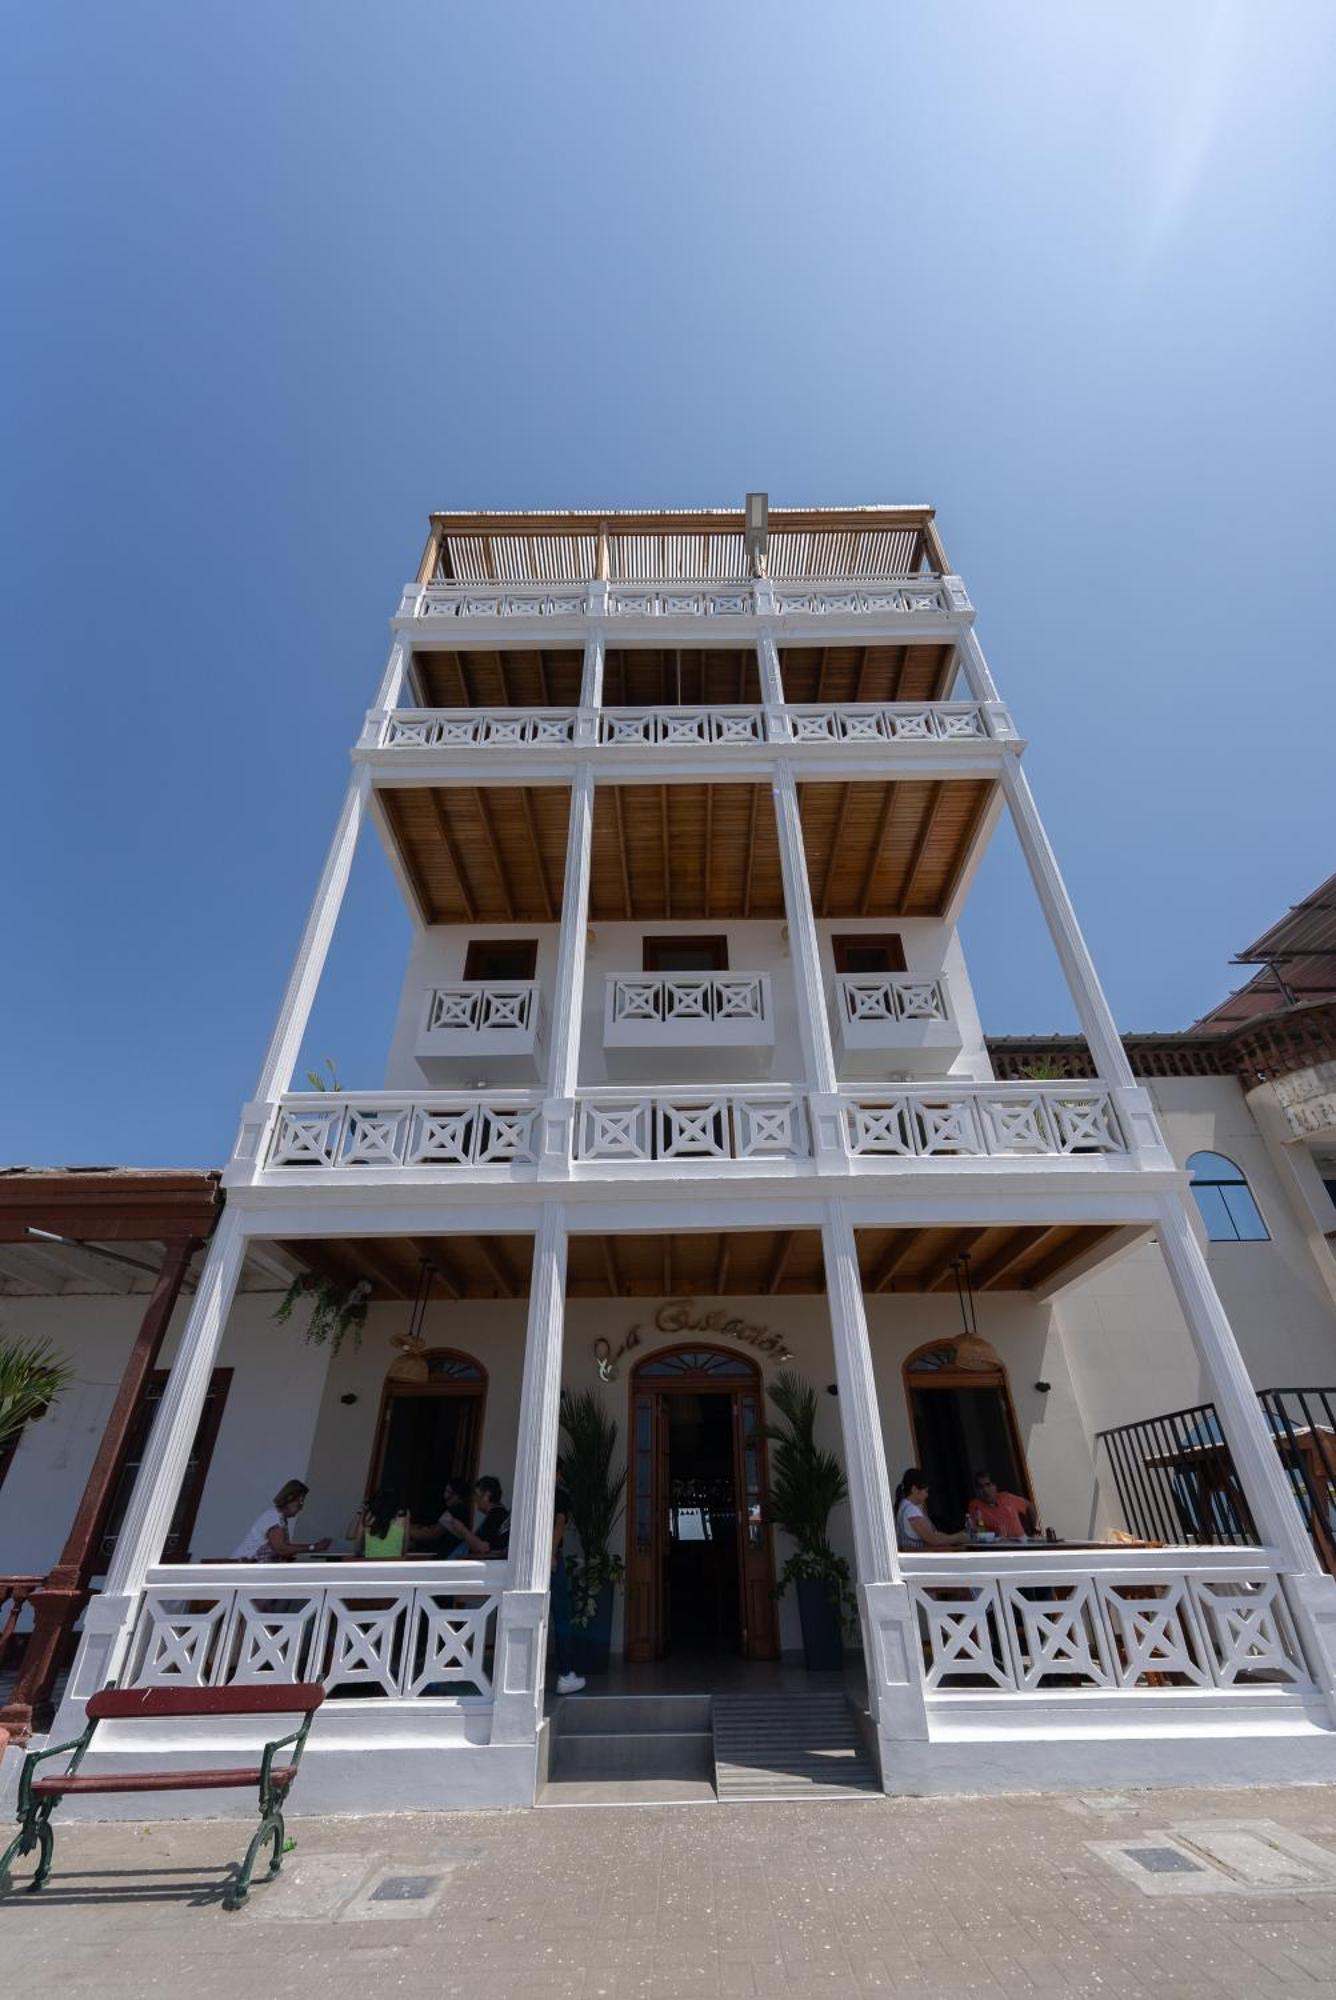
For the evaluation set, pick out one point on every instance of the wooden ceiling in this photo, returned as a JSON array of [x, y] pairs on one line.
[[680, 677], [751, 1263], [533, 677], [686, 852], [676, 852], [483, 855], [890, 850], [867, 673]]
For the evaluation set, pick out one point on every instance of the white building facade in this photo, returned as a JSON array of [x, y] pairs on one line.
[[688, 1084]]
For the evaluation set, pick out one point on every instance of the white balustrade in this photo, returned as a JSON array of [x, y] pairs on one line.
[[326, 1129], [703, 600], [478, 728], [886, 722], [1027, 1622], [480, 1007], [500, 600], [676, 726], [884, 996], [925, 595], [694, 1010], [925, 1121], [396, 1628], [687, 1125]]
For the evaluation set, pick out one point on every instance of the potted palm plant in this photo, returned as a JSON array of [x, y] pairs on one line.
[[806, 1482], [597, 1486]]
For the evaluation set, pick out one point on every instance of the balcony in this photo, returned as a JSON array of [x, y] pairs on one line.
[[687, 1017], [887, 1021], [496, 1023]]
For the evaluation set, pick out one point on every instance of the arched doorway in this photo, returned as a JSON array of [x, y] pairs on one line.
[[429, 1430], [963, 1421], [699, 1569]]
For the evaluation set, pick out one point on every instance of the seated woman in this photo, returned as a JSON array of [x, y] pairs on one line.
[[913, 1530], [379, 1528], [267, 1539]]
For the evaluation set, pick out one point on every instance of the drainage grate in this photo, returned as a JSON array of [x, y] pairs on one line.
[[1163, 1861], [406, 1889]]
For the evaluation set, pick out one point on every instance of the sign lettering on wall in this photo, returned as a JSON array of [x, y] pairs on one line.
[[681, 1316]]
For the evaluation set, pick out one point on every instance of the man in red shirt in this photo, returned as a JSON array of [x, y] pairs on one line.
[[1006, 1514]]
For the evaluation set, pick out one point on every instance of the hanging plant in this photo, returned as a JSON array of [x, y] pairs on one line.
[[337, 1310]]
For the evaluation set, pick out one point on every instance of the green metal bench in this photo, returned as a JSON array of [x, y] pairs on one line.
[[38, 1797]]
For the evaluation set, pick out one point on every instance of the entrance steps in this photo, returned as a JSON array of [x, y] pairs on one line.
[[685, 1749], [806, 1746]]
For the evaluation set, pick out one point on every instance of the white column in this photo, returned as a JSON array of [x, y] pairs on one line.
[[148, 1516], [304, 978], [771, 676], [809, 985], [1275, 1510], [391, 688], [591, 677], [522, 1624], [891, 1649], [1097, 1022], [567, 1004]]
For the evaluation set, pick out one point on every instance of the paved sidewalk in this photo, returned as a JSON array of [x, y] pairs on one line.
[[1223, 1893]]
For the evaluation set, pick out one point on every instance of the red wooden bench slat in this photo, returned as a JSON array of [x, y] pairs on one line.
[[268, 1698], [161, 1781]]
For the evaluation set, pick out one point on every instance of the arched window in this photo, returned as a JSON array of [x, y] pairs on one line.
[[1225, 1200]]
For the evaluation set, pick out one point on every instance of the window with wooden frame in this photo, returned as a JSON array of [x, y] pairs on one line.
[[177, 1545], [685, 954], [884, 952], [501, 960]]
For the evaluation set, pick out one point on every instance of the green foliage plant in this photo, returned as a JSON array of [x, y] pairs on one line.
[[32, 1376], [597, 1486], [338, 1311], [806, 1484]]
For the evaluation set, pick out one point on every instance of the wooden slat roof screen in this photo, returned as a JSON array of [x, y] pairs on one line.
[[866, 673], [491, 856], [677, 852], [889, 850], [664, 546], [542, 677]]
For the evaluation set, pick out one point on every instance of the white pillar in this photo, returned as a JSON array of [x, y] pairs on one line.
[[591, 678], [1275, 1510], [392, 680], [522, 1623], [809, 985], [1092, 1008], [109, 1618], [891, 1649], [304, 978], [567, 1009], [769, 670]]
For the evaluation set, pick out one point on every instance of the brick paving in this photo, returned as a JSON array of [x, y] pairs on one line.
[[923, 1898]]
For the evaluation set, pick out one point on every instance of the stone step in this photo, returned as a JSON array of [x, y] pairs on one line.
[[808, 1746], [622, 1754], [635, 1714]]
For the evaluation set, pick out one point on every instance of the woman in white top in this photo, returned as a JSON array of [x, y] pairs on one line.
[[267, 1539], [913, 1530]]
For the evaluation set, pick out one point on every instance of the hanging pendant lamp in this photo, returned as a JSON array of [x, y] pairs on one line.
[[972, 1352], [411, 1365]]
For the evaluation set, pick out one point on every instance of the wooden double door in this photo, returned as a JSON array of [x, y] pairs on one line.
[[699, 1570]]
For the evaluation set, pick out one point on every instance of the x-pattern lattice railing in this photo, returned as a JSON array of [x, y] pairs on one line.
[[928, 1121], [686, 996], [325, 1130], [886, 722], [924, 595], [867, 997], [479, 1007], [1043, 1624], [673, 726], [478, 729], [390, 1628], [687, 1125]]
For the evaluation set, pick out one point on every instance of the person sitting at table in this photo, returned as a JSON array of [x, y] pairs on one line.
[[1006, 1515], [914, 1531], [267, 1539], [434, 1535], [492, 1537], [379, 1528]]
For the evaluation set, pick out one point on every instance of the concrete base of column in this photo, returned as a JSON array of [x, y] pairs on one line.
[[892, 1656], [1311, 1597], [520, 1666]]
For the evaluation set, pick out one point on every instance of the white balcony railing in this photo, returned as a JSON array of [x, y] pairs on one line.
[[886, 722], [681, 725], [925, 596], [888, 1020], [412, 1129], [867, 998], [693, 1010], [927, 1121], [387, 1628], [501, 600], [691, 1125], [478, 728], [1027, 1622], [484, 1020], [503, 1133]]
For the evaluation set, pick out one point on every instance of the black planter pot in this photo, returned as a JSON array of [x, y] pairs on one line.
[[823, 1633], [592, 1643]]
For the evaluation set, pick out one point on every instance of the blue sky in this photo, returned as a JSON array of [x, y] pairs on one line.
[[280, 279]]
